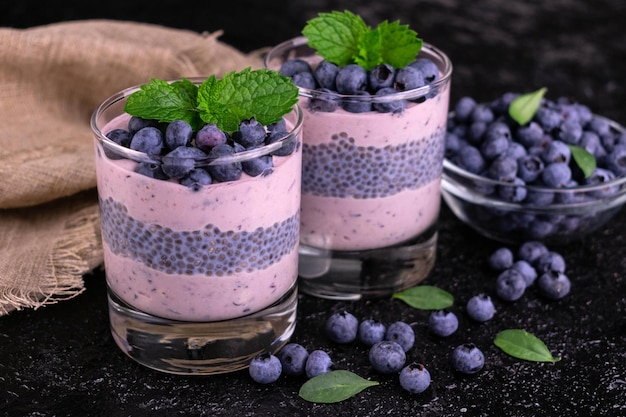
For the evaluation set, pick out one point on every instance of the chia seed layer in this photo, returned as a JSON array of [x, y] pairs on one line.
[[209, 252], [340, 168]]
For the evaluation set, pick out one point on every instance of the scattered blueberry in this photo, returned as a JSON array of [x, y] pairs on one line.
[[387, 357], [342, 327], [531, 251], [480, 308], [318, 363], [510, 285], [265, 368], [527, 270], [415, 378], [467, 358], [501, 259], [443, 323], [554, 285], [293, 358], [401, 333], [371, 332], [551, 261]]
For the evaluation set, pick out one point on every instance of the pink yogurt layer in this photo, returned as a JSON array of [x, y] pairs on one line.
[[346, 223], [239, 206]]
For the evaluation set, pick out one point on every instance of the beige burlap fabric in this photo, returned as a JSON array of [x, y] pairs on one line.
[[51, 80]]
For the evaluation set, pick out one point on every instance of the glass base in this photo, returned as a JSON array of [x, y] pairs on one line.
[[343, 275], [201, 348]]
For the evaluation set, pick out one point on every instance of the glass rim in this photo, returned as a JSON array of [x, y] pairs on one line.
[[445, 78], [138, 156]]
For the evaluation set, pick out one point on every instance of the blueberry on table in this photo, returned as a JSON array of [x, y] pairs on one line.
[[480, 308], [401, 333], [510, 285], [371, 332], [387, 357], [527, 270], [501, 259], [467, 358], [293, 358], [415, 378], [554, 285], [318, 363], [342, 327], [265, 368], [530, 251], [443, 323], [551, 261]]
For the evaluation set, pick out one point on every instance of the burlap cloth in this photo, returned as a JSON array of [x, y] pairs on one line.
[[51, 80]]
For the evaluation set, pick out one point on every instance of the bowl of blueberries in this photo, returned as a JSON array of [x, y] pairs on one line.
[[524, 167]]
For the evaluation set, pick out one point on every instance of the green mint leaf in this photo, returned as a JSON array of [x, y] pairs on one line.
[[524, 107], [523, 345], [261, 94], [335, 36], [399, 44], [334, 386], [165, 102], [369, 50], [585, 160], [425, 297]]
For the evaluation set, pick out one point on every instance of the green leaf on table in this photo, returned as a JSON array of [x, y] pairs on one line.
[[524, 107], [523, 345], [585, 160], [425, 297], [334, 386]]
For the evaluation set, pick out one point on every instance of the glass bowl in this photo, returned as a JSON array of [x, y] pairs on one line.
[[550, 215]]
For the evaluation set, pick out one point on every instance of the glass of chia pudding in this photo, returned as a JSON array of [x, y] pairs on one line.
[[372, 168], [200, 248]]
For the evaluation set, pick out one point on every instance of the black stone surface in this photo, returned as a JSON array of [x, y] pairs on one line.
[[61, 361]]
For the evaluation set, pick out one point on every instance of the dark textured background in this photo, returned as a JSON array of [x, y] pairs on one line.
[[61, 360]]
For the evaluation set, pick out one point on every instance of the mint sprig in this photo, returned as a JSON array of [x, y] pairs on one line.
[[261, 94], [344, 38]]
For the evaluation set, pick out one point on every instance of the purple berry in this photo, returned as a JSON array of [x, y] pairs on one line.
[[467, 359], [510, 285], [371, 332], [326, 73], [381, 76], [350, 79], [318, 363], [501, 259], [408, 78], [265, 368], [178, 133], [551, 261], [387, 357], [209, 136], [554, 285], [401, 333], [531, 251], [414, 378], [148, 140], [293, 358], [480, 308], [443, 323], [527, 270], [342, 327]]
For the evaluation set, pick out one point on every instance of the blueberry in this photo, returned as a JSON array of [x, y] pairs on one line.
[[467, 359], [354, 105], [251, 133], [415, 378], [530, 135], [531, 251], [503, 169], [259, 166], [291, 67], [326, 73], [556, 174], [599, 125], [323, 100], [265, 368], [556, 151], [482, 113], [571, 131], [443, 323], [548, 118], [616, 160], [516, 192], [151, 170], [304, 80], [180, 161], [464, 108], [516, 151], [197, 178], [599, 177], [590, 142], [554, 285], [496, 140], [279, 126], [371, 332], [393, 106], [476, 132], [120, 136], [480, 308], [135, 124], [387, 357], [470, 159], [428, 68], [209, 136], [401, 333], [288, 146], [550, 261], [148, 140], [510, 285], [408, 78], [381, 76], [529, 167], [178, 133], [293, 358], [227, 171], [527, 270], [318, 363], [342, 327], [350, 79], [501, 259]]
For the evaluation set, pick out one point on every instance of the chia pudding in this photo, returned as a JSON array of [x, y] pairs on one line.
[[217, 252]]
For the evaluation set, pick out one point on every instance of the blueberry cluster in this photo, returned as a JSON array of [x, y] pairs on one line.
[[534, 263], [483, 139], [327, 80], [209, 251], [180, 154]]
